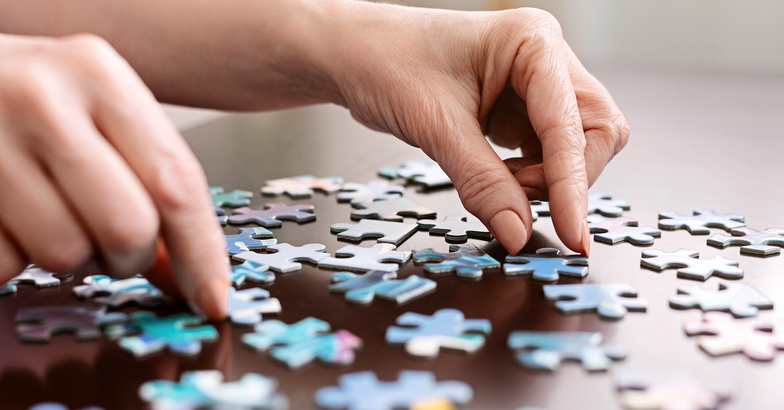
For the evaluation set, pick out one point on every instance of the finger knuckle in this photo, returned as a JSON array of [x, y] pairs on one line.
[[120, 235], [90, 45], [178, 183], [479, 185], [543, 22], [622, 132], [65, 255]]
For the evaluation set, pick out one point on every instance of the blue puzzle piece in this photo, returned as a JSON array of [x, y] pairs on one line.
[[119, 292], [245, 307], [546, 350], [58, 406], [446, 328], [179, 333], [252, 272], [8, 289], [546, 265], [247, 239], [233, 199], [609, 300], [466, 261], [363, 288]]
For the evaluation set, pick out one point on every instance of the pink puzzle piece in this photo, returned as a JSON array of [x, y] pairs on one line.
[[759, 338]]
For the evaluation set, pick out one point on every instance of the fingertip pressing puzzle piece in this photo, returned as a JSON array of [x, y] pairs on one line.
[[374, 190], [609, 300], [759, 338], [382, 256], [621, 229], [689, 266], [249, 239], [38, 277], [539, 208], [667, 391], [699, 223], [546, 350], [385, 231], [428, 173], [119, 292], [425, 336], [546, 265], [38, 324], [232, 199], [601, 203], [301, 186], [456, 229], [252, 272], [391, 210], [286, 258], [361, 289], [147, 333], [740, 299], [466, 261], [272, 215], [751, 241]]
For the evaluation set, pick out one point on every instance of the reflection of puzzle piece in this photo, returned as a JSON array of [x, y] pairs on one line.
[[301, 186], [234, 199], [546, 350], [467, 261], [272, 215], [699, 223], [178, 333], [38, 277], [385, 231], [667, 391], [392, 210], [38, 324], [758, 338], [120, 291], [363, 391], [609, 300], [245, 307], [546, 265], [689, 266], [366, 259], [751, 241], [539, 208], [621, 229], [601, 203], [374, 190], [286, 258], [205, 389], [8, 289], [249, 239], [58, 406], [456, 229], [252, 272], [423, 172], [300, 343], [362, 289], [446, 328], [740, 299]]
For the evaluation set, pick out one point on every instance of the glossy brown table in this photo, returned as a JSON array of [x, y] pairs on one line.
[[698, 142]]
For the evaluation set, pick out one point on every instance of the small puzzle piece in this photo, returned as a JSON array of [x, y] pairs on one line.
[[621, 229], [427, 173], [58, 406], [609, 300], [361, 289], [456, 229], [363, 391], [689, 266], [667, 391], [539, 208], [301, 186], [601, 203], [425, 335], [234, 199], [272, 215], [759, 338], [751, 241], [740, 299], [38, 277], [286, 258], [222, 219], [374, 190], [252, 272], [382, 256], [546, 350], [249, 239], [205, 389], [38, 324], [300, 343], [699, 223], [119, 292], [8, 289], [385, 231], [466, 261], [180, 333], [546, 265], [392, 210], [245, 307]]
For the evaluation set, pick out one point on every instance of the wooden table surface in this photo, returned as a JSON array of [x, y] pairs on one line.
[[698, 141]]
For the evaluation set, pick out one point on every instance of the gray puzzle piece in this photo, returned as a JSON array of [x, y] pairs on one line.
[[38, 324], [385, 231], [119, 292], [286, 257], [601, 203], [361, 259], [539, 208], [374, 190], [621, 229], [456, 229], [466, 261], [361, 289], [689, 267], [546, 265], [38, 277], [428, 173], [391, 210], [546, 350], [272, 215], [425, 335], [740, 299], [699, 223], [249, 239], [609, 300], [751, 241]]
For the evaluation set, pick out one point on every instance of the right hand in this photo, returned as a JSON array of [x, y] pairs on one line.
[[92, 169]]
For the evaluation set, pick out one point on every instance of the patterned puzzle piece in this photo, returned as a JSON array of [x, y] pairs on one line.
[[546, 265], [427, 173], [699, 223], [300, 343], [546, 350], [424, 335], [252, 272], [621, 229], [601, 203], [234, 199], [758, 338], [205, 389], [689, 266], [385, 231], [667, 391], [539, 208], [466, 261], [38, 277], [363, 391], [180, 333], [740, 299], [751, 241], [361, 289], [285, 257], [609, 300], [119, 292], [392, 210], [272, 215], [249, 239], [301, 186], [8, 289], [456, 229], [245, 307], [38, 324], [374, 190], [58, 406], [359, 259]]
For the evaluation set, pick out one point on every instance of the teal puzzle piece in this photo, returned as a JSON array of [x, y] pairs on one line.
[[179, 333], [233, 199], [252, 272], [425, 335], [466, 261], [361, 289], [546, 265]]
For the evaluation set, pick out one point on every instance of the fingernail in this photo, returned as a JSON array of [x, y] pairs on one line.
[[586, 240], [532, 194], [510, 230], [211, 297]]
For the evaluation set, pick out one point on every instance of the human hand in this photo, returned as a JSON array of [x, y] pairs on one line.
[[92, 169]]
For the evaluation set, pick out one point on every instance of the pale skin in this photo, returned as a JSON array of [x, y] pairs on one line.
[[92, 169]]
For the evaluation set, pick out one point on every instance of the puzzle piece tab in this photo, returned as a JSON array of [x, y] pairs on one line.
[[667, 391], [119, 292], [689, 266], [456, 229], [232, 199], [621, 229], [428, 173], [601, 203], [466, 261], [391, 210], [546, 350], [546, 265], [285, 257], [385, 231], [38, 277], [180, 333], [249, 239], [252, 272], [382, 256], [361, 289], [272, 215], [699, 223], [374, 190], [740, 299], [751, 241], [759, 338], [424, 335], [301, 186], [609, 300], [38, 324]]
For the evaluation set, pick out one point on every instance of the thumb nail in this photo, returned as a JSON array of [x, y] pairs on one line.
[[510, 230]]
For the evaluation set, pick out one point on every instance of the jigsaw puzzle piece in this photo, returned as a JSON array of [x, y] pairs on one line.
[[180, 333], [425, 335], [546, 350], [546, 265], [222, 219], [757, 337], [245, 307], [374, 190], [428, 173], [301, 186], [234, 199], [621, 229], [119, 292], [381, 256], [38, 324], [391, 210], [602, 203], [385, 231], [667, 391], [285, 257], [252, 272], [456, 229], [699, 223], [38, 277], [539, 208], [361, 289], [466, 261], [249, 239], [8, 289], [751, 241], [609, 300], [740, 299], [272, 215], [58, 406], [689, 265]]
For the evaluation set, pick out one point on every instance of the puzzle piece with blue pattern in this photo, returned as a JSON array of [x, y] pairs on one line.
[[252, 272], [546, 350], [119, 292], [424, 335], [466, 261], [547, 265], [147, 333], [361, 289], [249, 239]]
